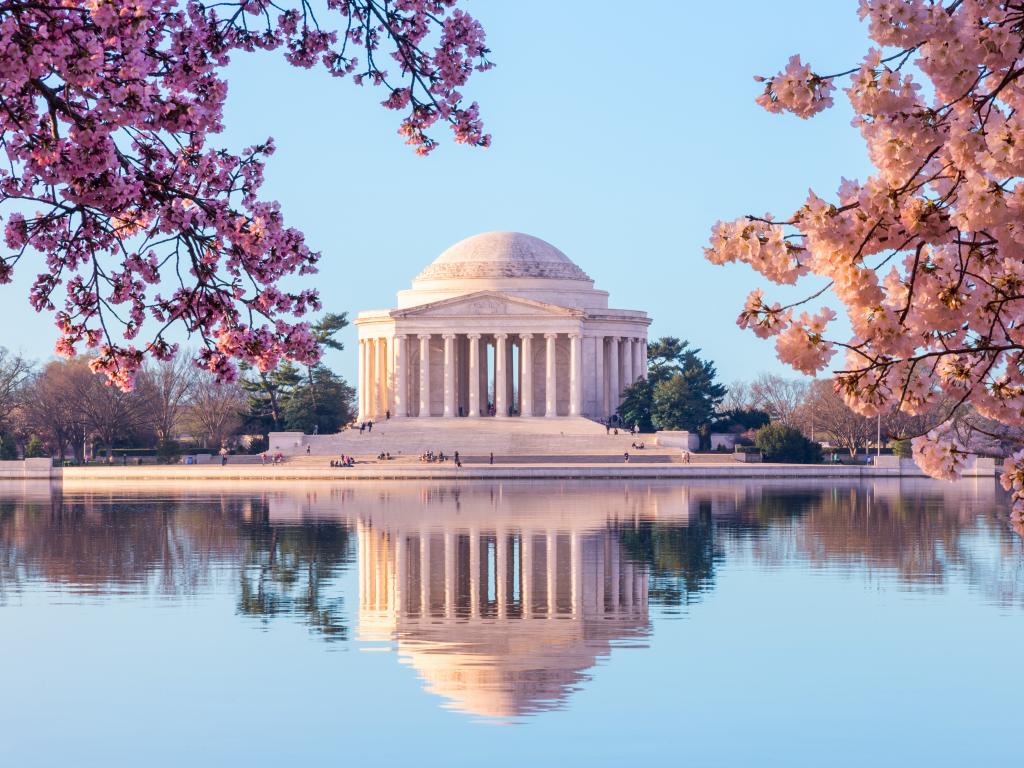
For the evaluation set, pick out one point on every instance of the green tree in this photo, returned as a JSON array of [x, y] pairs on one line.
[[324, 404], [267, 392], [788, 445], [324, 330], [34, 448], [680, 391]]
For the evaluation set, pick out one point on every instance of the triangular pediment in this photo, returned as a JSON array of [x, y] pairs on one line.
[[487, 303]]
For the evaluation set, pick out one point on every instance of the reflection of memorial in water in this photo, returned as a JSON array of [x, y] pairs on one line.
[[502, 620]]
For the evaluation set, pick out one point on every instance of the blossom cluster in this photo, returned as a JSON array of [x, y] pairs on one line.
[[926, 256], [107, 112]]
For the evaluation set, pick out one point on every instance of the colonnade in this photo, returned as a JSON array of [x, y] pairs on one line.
[[496, 374]]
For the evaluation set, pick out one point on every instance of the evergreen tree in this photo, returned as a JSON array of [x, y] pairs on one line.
[[680, 391]]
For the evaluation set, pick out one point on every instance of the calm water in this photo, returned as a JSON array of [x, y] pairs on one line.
[[710, 623]]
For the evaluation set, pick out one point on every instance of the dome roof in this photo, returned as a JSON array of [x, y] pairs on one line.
[[502, 255]]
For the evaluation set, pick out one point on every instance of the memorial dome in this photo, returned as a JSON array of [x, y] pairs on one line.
[[501, 255]]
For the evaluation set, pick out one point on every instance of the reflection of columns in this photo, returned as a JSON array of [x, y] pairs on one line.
[[576, 568], [449, 375], [399, 605], [615, 577], [382, 376], [474, 572], [500, 375], [424, 574], [501, 571], [602, 411], [550, 387], [526, 566], [613, 374], [474, 374], [575, 375], [424, 374], [551, 565], [526, 381], [640, 359], [627, 585], [449, 574], [401, 387]]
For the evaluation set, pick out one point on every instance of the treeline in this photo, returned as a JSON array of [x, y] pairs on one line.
[[62, 409], [794, 417]]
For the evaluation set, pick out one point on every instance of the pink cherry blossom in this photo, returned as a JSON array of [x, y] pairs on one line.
[[140, 222], [926, 256]]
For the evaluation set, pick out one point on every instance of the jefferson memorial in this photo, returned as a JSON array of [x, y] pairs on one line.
[[501, 324]]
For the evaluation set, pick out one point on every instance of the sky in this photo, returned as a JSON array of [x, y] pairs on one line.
[[621, 139]]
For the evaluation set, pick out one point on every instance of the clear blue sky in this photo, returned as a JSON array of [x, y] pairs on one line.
[[620, 138]]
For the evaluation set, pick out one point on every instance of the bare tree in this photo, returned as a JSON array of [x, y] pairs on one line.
[[169, 386], [112, 415], [14, 371], [215, 410], [780, 398], [52, 405], [830, 415], [739, 397]]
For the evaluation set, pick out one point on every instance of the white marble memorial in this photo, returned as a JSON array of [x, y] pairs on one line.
[[500, 324]]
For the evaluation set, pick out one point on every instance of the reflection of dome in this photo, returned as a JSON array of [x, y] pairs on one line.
[[501, 621], [502, 255]]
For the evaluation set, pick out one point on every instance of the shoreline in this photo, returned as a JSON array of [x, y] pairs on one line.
[[506, 471]]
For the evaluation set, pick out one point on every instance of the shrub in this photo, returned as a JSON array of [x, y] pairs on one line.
[[786, 445], [8, 449], [901, 448], [34, 448], [168, 451]]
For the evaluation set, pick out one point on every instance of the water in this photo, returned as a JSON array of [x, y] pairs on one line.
[[705, 623]]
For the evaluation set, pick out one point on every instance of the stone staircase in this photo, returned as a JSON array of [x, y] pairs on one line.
[[518, 437]]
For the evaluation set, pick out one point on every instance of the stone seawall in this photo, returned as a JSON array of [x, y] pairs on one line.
[[448, 471]]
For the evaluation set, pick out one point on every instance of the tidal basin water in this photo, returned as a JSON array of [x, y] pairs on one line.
[[513, 624]]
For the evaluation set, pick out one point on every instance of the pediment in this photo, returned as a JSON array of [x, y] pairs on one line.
[[487, 303]]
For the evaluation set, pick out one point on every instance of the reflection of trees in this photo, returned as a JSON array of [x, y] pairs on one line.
[[919, 536], [175, 547], [681, 559], [291, 570]]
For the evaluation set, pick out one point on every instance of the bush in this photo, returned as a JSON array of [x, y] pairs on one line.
[[34, 448], [901, 448], [8, 449], [787, 445], [168, 451]]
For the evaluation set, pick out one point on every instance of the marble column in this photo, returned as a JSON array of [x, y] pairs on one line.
[[526, 382], [575, 375], [371, 378], [424, 374], [449, 375], [599, 396], [550, 386], [401, 376], [382, 376], [362, 379], [640, 359], [474, 375], [627, 362], [614, 388], [500, 375]]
